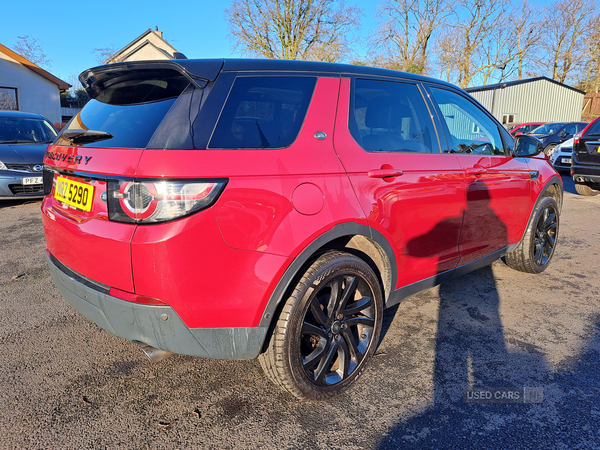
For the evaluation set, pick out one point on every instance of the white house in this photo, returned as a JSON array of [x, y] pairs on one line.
[[25, 86], [150, 45]]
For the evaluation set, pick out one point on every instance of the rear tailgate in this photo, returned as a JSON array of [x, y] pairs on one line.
[[85, 241]]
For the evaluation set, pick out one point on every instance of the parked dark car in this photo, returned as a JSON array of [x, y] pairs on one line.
[[585, 165], [553, 133], [258, 208], [522, 128], [24, 138]]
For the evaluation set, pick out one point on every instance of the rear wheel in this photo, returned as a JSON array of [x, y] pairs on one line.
[[534, 252], [585, 189], [328, 329]]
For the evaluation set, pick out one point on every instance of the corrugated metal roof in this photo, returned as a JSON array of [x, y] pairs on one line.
[[488, 87]]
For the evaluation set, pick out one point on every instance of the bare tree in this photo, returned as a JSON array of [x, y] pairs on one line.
[[29, 49], [405, 33], [460, 49], [315, 30], [566, 24], [104, 54], [8, 100], [525, 34], [590, 81]]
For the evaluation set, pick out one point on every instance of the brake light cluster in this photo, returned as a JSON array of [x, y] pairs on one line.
[[156, 201]]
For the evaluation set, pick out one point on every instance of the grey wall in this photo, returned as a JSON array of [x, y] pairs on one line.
[[34, 92], [536, 101]]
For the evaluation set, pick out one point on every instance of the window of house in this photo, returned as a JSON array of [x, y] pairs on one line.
[[508, 118], [8, 99]]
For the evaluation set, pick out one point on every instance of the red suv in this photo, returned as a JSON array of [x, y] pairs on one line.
[[272, 209]]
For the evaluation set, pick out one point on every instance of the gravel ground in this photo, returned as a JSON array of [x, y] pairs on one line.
[[67, 384]]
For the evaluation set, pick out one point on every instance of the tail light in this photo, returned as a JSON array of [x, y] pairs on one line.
[[157, 201], [577, 137]]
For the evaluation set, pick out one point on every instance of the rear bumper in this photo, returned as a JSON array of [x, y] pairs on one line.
[[157, 326]]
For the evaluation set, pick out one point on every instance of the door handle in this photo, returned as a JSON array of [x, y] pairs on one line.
[[475, 170], [384, 173]]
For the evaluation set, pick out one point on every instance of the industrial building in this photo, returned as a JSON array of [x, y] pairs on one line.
[[533, 100]]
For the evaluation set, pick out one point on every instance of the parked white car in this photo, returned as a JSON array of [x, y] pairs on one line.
[[561, 156]]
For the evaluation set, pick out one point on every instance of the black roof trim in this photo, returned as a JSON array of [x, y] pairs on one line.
[[208, 69], [490, 87]]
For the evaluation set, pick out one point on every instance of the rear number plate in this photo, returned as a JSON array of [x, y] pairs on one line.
[[74, 193], [32, 180], [565, 160]]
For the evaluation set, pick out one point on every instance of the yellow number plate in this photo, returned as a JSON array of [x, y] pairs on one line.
[[74, 193]]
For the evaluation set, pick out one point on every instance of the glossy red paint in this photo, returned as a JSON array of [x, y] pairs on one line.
[[87, 242], [420, 211], [210, 285], [498, 195], [219, 267]]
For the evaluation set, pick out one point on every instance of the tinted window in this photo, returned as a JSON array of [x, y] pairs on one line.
[[594, 129], [472, 131], [263, 112], [391, 117], [130, 108]]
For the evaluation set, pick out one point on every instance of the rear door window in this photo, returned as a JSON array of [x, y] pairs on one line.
[[263, 112], [391, 117]]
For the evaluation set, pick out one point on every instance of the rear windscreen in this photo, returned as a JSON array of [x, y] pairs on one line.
[[129, 108], [263, 112]]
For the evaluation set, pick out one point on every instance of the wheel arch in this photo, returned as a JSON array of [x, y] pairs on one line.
[[357, 239], [554, 189]]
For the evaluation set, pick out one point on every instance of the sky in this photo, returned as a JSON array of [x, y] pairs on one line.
[[69, 32]]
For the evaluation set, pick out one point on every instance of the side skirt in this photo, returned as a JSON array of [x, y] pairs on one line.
[[406, 291]]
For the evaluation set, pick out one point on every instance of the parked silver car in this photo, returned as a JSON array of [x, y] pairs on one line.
[[561, 156], [24, 138]]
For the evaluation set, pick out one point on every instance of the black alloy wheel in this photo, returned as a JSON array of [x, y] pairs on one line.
[[545, 236], [328, 329], [534, 253], [337, 329]]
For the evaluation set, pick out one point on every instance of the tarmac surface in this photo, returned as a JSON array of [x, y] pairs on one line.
[[67, 384]]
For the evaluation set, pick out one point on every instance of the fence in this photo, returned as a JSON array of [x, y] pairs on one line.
[[591, 106]]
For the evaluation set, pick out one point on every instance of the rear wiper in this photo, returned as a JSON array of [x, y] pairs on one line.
[[18, 141], [86, 136]]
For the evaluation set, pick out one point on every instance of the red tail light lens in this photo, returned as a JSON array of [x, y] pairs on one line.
[[157, 201], [577, 136]]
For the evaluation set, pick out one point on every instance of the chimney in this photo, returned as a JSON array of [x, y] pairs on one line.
[[158, 32]]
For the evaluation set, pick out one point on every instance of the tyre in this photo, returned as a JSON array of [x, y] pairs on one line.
[[328, 329], [549, 149], [584, 189], [535, 251]]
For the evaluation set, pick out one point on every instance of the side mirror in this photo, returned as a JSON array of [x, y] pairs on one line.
[[526, 146], [563, 134]]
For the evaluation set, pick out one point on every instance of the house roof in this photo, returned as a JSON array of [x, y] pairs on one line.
[[62, 85], [490, 87], [140, 42]]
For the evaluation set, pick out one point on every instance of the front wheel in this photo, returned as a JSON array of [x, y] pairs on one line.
[[534, 252], [328, 329], [549, 149]]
